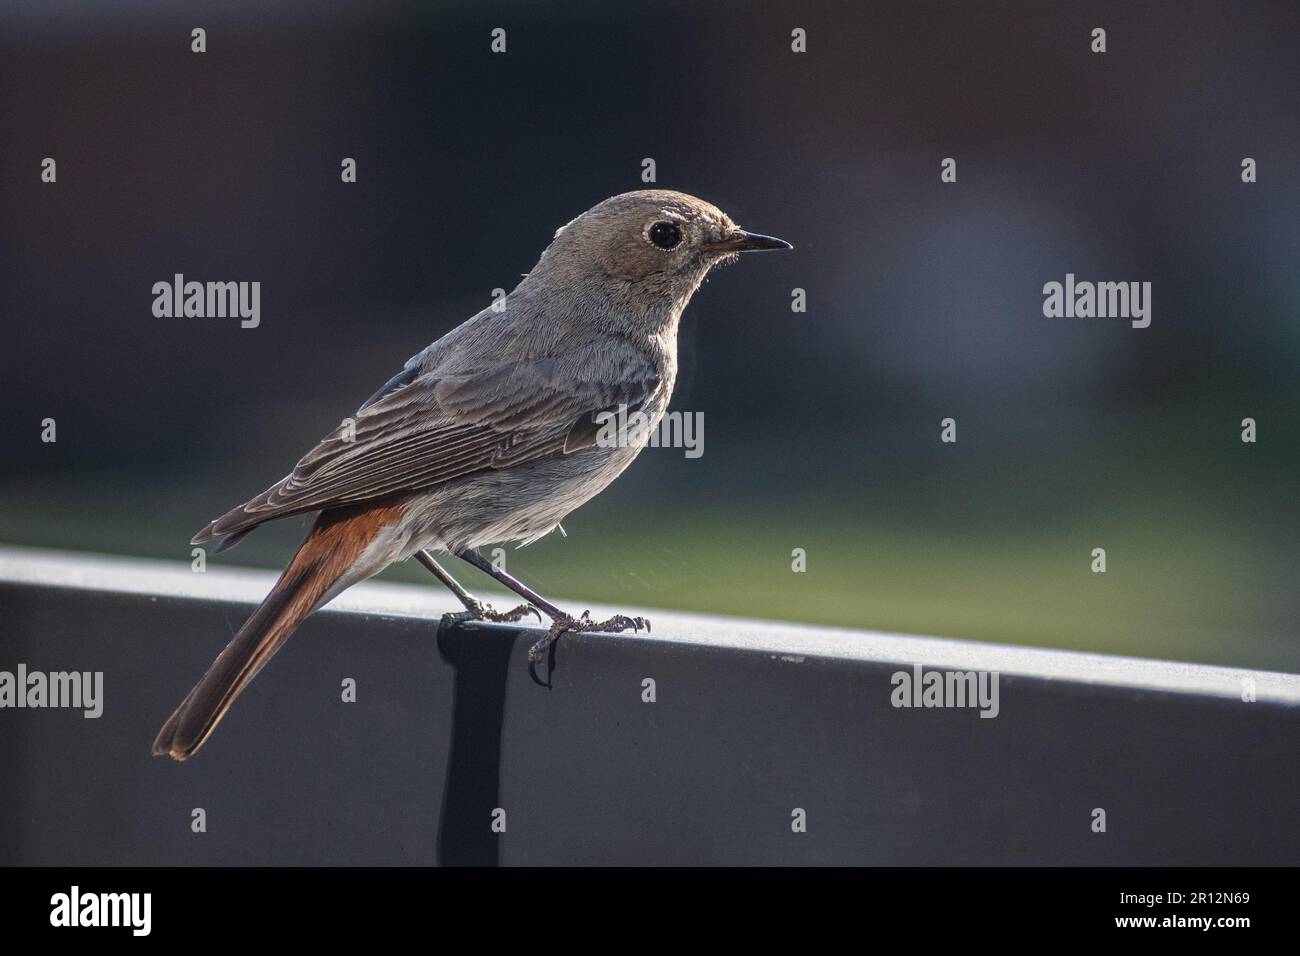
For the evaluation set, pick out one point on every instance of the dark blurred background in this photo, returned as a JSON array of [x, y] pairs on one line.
[[821, 429]]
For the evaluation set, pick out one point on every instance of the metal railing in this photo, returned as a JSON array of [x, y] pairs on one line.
[[712, 741]]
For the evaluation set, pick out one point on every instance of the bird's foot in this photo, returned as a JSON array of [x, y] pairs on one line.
[[485, 612], [514, 614], [585, 625]]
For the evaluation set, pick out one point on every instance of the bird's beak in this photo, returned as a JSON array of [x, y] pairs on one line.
[[742, 241]]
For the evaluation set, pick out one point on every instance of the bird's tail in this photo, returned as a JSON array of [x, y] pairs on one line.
[[328, 558]]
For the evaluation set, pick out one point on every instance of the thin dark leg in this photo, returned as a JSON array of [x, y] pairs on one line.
[[441, 573], [475, 610], [513, 583], [561, 622]]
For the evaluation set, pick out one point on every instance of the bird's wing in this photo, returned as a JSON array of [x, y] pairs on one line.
[[422, 430]]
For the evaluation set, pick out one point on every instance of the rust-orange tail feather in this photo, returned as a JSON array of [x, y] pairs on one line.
[[330, 552]]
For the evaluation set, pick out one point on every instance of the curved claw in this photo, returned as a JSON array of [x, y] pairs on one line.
[[485, 612], [514, 614], [620, 622], [585, 625], [558, 627]]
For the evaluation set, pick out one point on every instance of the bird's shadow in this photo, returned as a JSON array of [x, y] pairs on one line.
[[479, 656]]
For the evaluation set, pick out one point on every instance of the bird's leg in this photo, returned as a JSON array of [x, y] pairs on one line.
[[475, 610], [513, 583], [561, 621]]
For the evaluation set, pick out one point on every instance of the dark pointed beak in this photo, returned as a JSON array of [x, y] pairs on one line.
[[742, 241]]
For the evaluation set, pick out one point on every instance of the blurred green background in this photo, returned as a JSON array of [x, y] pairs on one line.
[[1198, 568]]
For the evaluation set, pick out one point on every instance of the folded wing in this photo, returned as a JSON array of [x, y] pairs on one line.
[[423, 430]]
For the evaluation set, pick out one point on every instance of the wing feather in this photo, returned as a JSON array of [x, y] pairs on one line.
[[422, 430]]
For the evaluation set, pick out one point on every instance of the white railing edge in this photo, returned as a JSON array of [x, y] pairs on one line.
[[788, 642]]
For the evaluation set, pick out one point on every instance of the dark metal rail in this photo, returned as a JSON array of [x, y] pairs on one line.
[[753, 727]]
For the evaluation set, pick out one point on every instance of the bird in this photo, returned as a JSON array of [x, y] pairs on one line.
[[492, 434]]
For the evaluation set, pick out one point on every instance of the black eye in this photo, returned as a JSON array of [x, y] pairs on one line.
[[665, 235]]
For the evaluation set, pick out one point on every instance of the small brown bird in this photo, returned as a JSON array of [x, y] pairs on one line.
[[488, 435]]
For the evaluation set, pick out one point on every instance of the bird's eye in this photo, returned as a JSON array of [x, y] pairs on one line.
[[665, 235]]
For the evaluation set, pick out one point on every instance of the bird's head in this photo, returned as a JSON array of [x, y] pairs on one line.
[[654, 241]]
